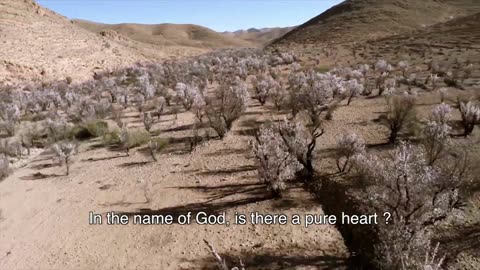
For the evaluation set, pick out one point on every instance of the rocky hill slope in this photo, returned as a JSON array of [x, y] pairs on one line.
[[358, 20]]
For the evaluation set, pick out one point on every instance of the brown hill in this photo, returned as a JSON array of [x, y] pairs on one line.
[[39, 44], [458, 39], [358, 20], [261, 36], [168, 34]]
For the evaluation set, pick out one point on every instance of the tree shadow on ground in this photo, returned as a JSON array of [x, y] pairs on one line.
[[44, 166], [221, 192], [244, 168], [289, 257], [134, 164], [102, 159], [462, 239], [185, 127], [178, 145], [227, 151], [208, 208], [38, 176]]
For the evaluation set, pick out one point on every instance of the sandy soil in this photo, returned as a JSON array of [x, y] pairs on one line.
[[45, 221]]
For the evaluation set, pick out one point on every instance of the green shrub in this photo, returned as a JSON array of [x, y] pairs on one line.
[[322, 69], [138, 138], [111, 138]]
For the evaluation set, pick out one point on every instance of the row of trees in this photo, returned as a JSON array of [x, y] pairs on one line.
[[418, 184]]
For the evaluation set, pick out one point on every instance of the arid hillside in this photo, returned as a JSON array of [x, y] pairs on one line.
[[40, 44], [168, 34], [357, 20], [261, 36]]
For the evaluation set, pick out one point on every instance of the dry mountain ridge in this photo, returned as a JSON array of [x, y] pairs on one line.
[[42, 45], [168, 34], [358, 20], [262, 36], [458, 39]]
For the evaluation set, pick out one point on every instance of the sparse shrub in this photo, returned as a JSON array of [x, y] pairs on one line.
[[65, 151], [155, 146], [470, 116], [276, 164], [401, 111], [4, 167], [348, 146], [436, 133], [131, 139], [111, 138]]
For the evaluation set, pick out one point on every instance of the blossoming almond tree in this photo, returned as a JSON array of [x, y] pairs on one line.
[[437, 132], [276, 164], [416, 195], [470, 116], [65, 151], [348, 146]]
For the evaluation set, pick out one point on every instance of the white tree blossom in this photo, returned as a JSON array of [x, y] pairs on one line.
[[470, 116], [348, 146], [65, 151], [437, 132], [276, 164], [353, 89]]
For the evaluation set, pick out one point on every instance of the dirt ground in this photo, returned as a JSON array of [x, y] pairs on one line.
[[45, 217]]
